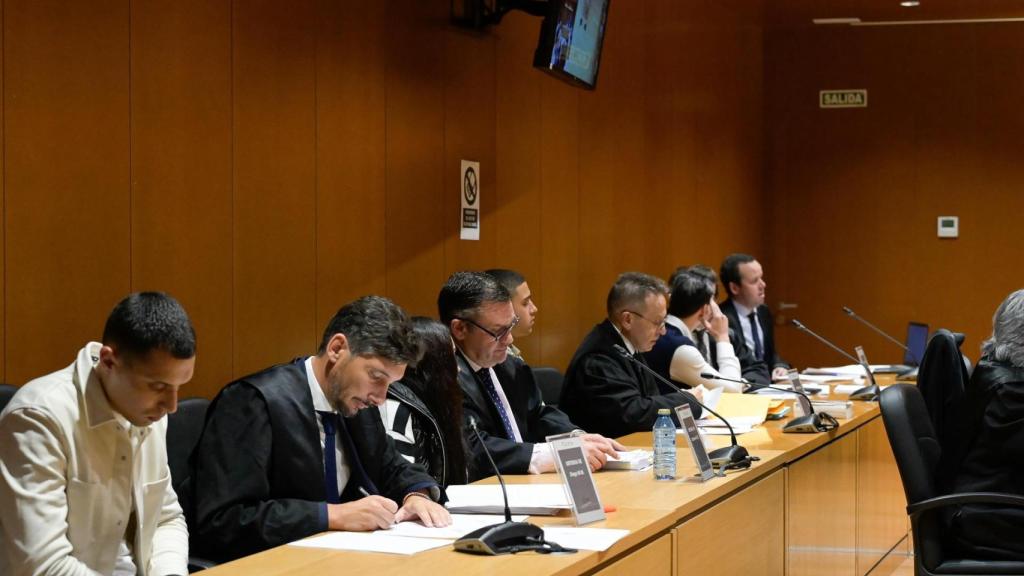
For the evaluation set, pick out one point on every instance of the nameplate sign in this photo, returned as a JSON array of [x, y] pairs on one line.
[[705, 471], [574, 471], [843, 99]]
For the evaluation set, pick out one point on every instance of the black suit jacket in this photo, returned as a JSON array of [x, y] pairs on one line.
[[609, 394], [767, 327], [259, 468], [535, 419], [753, 370]]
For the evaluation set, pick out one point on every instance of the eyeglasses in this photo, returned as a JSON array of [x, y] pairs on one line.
[[500, 334], [657, 325]]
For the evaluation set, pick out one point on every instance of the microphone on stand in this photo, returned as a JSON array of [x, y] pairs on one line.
[[860, 319], [734, 456], [509, 536], [810, 422], [823, 340], [867, 393]]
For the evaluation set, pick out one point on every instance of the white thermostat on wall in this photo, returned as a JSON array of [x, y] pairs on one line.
[[949, 226]]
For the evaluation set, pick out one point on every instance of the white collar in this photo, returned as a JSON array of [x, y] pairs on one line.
[[320, 402], [629, 345], [678, 323], [741, 310]]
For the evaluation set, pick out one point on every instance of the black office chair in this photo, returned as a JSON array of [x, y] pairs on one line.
[[918, 451], [550, 382], [184, 428], [6, 393]]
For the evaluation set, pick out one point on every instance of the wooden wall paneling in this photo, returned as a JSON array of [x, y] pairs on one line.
[[938, 138], [619, 225], [181, 170], [881, 504], [415, 154], [67, 198], [274, 79], [822, 538], [517, 175], [564, 282], [351, 103], [469, 120]]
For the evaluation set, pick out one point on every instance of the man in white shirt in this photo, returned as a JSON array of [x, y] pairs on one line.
[[499, 392], [84, 482], [677, 356]]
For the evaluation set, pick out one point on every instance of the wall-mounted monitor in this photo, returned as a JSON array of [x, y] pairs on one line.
[[570, 40]]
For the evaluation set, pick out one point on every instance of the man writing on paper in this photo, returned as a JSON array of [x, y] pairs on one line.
[[499, 391], [290, 451]]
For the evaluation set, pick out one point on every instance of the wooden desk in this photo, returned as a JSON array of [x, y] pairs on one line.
[[814, 504]]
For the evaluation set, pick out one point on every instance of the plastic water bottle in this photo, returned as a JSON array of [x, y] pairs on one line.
[[664, 446]]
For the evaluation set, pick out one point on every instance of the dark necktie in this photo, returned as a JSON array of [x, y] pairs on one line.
[[698, 338], [330, 422], [755, 331], [483, 376]]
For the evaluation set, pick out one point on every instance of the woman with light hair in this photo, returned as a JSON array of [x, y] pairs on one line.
[[994, 403]]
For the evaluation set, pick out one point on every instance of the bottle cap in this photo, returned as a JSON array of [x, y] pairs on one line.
[[664, 412]]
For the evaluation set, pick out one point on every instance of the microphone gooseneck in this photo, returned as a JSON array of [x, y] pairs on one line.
[[734, 454], [504, 491], [823, 340], [861, 319]]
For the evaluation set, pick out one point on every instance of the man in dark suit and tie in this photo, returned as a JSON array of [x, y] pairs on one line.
[[743, 280], [290, 451], [499, 391], [607, 392]]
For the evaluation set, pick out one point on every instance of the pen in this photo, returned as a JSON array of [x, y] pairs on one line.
[[364, 492]]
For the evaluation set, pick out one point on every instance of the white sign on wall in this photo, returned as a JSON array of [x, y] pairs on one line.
[[470, 214], [843, 99]]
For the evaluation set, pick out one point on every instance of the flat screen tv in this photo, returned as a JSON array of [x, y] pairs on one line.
[[570, 40]]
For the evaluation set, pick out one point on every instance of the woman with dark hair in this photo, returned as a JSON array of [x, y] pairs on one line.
[[423, 411]]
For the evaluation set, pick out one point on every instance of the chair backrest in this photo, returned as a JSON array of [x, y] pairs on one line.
[[550, 382], [941, 379], [184, 428], [6, 393], [918, 453]]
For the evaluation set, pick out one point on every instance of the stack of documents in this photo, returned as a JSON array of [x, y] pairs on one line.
[[532, 499], [743, 411], [631, 460]]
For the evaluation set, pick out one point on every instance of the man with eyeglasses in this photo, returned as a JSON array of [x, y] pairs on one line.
[[608, 393], [499, 391]]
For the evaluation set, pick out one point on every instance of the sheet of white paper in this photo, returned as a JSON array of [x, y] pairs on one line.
[[858, 383], [461, 525], [596, 539], [734, 421], [528, 496], [372, 542], [710, 396], [720, 430], [848, 370]]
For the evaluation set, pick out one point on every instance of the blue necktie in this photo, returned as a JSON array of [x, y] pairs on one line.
[[484, 377], [330, 422], [755, 331]]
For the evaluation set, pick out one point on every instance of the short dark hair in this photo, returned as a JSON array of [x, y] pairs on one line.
[[631, 289], [375, 326], [465, 292], [730, 272], [510, 279], [690, 292], [146, 321]]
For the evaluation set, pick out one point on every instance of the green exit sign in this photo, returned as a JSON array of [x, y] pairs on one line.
[[843, 99]]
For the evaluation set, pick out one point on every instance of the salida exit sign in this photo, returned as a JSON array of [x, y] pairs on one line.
[[843, 99]]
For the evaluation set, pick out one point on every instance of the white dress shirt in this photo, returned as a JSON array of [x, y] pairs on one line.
[[748, 332], [72, 474], [321, 404], [687, 363]]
